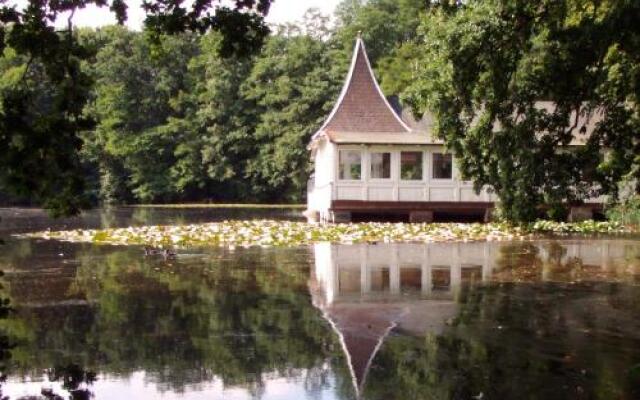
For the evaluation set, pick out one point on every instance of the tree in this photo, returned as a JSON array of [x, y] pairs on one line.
[[41, 113], [389, 29], [42, 151], [217, 126], [292, 86], [135, 85], [485, 69]]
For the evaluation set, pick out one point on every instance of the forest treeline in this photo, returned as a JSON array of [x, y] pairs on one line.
[[173, 121], [172, 115]]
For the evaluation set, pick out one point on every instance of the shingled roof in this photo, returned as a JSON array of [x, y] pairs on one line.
[[362, 107], [363, 114]]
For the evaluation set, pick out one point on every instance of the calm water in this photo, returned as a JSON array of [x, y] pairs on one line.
[[551, 319]]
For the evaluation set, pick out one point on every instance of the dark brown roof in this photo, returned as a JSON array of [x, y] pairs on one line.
[[362, 329], [363, 114], [362, 106]]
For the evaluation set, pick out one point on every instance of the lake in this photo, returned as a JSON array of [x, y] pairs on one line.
[[548, 319]]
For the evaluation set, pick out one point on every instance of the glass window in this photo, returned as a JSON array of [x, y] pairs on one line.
[[380, 279], [350, 164], [441, 278], [442, 166], [380, 165], [411, 165]]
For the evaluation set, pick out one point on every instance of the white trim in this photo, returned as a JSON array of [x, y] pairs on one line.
[[347, 84]]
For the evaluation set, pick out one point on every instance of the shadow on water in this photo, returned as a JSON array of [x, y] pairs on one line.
[[551, 319]]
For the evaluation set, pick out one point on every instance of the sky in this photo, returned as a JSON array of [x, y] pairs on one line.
[[281, 11]]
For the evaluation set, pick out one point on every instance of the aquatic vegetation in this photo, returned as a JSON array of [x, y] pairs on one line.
[[588, 226], [289, 233]]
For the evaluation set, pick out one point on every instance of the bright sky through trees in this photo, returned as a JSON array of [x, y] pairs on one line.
[[281, 11]]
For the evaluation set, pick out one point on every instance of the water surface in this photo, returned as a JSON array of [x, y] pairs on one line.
[[550, 319], [21, 220]]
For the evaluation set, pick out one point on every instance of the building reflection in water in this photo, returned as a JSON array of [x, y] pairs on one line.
[[367, 290]]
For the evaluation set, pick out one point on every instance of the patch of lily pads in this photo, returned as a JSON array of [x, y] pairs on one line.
[[289, 233]]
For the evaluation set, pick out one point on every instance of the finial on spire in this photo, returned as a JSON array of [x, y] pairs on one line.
[[359, 35]]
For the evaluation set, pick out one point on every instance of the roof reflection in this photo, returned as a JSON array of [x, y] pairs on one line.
[[366, 291]]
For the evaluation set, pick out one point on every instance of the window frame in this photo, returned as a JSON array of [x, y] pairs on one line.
[[362, 165], [423, 169], [391, 158], [433, 169]]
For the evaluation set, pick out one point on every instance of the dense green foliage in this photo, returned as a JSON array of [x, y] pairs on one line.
[[486, 65], [168, 119], [626, 212], [120, 116], [45, 88]]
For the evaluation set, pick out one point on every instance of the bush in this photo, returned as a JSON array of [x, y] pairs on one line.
[[626, 212]]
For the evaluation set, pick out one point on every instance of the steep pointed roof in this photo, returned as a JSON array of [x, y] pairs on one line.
[[362, 329], [362, 107]]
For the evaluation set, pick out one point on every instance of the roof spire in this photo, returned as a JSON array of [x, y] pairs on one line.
[[359, 35], [362, 107]]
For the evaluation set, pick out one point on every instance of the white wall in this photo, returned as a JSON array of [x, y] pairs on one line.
[[320, 189], [349, 271], [395, 189]]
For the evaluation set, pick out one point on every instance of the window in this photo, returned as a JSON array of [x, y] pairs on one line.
[[442, 166], [350, 167], [441, 277], [380, 165], [411, 165]]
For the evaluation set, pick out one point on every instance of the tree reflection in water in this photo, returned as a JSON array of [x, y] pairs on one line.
[[5, 344], [75, 380], [241, 318], [548, 324], [540, 320]]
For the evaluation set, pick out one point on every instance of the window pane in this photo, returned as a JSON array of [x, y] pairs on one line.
[[411, 165], [442, 166], [380, 165], [350, 164]]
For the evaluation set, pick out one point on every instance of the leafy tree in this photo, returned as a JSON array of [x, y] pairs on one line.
[[314, 23], [42, 151], [135, 86], [486, 67], [388, 28], [292, 85], [41, 113], [217, 125], [399, 69]]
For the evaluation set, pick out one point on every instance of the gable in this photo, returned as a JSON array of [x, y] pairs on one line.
[[362, 107]]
